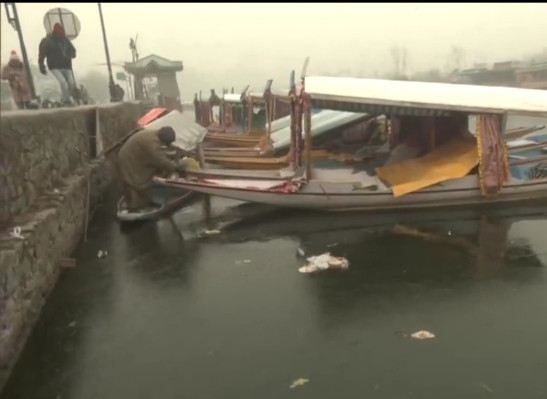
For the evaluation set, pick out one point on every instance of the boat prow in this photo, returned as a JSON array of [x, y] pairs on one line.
[[164, 210]]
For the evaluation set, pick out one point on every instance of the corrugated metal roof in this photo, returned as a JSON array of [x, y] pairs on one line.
[[321, 122], [400, 96], [189, 134]]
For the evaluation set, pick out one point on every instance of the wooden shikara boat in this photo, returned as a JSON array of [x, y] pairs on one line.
[[467, 169], [270, 100], [261, 157], [252, 159], [273, 151]]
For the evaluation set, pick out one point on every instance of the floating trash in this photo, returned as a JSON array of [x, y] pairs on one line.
[[208, 233], [300, 252], [102, 254], [323, 262], [486, 388], [308, 269], [422, 335], [299, 382], [16, 233]]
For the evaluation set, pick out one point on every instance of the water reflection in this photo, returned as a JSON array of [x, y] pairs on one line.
[[482, 234], [162, 313], [403, 255]]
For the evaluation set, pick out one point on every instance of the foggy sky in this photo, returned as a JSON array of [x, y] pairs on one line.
[[225, 41]]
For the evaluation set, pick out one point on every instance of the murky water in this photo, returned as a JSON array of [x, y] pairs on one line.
[[230, 316]]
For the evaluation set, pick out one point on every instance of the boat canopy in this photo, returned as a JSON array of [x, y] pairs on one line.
[[322, 121], [377, 96], [277, 93], [232, 97]]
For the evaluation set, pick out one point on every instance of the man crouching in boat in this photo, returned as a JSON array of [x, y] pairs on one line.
[[140, 159]]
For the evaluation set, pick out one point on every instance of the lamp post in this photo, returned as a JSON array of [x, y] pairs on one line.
[[13, 19], [110, 78]]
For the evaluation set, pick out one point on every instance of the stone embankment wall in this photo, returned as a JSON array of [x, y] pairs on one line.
[[47, 163]]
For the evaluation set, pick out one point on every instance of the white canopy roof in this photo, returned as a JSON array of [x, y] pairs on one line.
[[346, 93], [232, 97]]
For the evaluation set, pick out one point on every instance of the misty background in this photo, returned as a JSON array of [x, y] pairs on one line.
[[232, 45]]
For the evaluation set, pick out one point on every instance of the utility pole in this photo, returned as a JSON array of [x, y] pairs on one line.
[[13, 19], [110, 78], [137, 79]]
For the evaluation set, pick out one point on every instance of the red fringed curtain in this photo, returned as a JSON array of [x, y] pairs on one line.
[[494, 164]]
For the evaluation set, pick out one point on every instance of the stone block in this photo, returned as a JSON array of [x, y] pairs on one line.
[[41, 151]]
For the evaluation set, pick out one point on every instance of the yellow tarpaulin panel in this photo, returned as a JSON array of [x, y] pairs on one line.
[[452, 160]]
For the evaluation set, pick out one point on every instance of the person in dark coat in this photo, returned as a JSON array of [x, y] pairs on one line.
[[140, 159], [58, 51], [214, 99], [197, 109]]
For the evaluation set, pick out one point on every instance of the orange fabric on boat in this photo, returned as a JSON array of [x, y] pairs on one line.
[[452, 160], [152, 115]]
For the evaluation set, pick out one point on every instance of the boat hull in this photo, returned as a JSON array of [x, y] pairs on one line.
[[171, 199], [328, 196]]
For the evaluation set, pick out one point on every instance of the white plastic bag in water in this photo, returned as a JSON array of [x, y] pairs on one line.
[[422, 335], [323, 262]]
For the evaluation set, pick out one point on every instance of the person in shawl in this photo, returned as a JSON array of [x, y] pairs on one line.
[[14, 72], [140, 159]]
